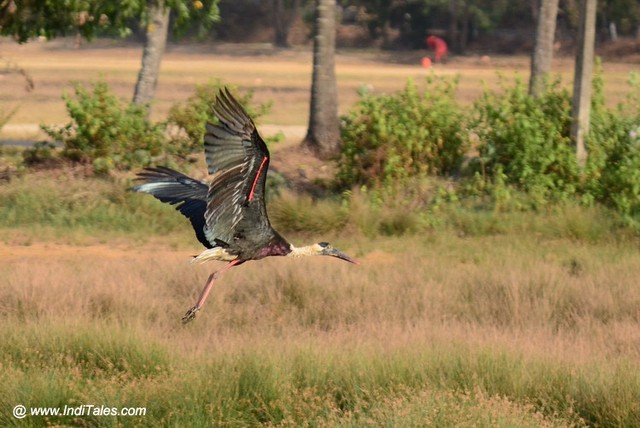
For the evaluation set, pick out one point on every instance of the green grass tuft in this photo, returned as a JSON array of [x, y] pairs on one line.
[[435, 385]]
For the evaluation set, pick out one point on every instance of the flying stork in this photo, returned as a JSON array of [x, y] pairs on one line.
[[229, 214]]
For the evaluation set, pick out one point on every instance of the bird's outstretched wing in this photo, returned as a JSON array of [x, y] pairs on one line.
[[238, 159], [189, 195]]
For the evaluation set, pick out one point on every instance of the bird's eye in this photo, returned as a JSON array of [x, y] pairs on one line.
[[323, 244]]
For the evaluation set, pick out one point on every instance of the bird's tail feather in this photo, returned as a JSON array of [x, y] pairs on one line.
[[187, 194], [169, 185]]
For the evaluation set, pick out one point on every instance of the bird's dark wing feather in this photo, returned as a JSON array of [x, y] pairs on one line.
[[238, 159], [189, 195]]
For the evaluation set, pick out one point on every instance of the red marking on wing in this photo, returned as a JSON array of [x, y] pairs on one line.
[[255, 180]]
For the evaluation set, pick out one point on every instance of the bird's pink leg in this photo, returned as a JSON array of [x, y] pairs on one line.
[[191, 313]]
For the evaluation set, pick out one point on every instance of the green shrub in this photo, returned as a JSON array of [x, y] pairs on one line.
[[620, 176], [616, 157], [188, 120], [105, 132], [527, 140], [523, 156], [526, 143], [389, 138]]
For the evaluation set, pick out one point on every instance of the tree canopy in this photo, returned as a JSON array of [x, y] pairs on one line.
[[25, 19]]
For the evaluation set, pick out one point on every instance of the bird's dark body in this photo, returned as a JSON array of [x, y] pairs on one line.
[[249, 245], [276, 246]]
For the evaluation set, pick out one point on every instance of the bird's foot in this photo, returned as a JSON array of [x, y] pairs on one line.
[[191, 314]]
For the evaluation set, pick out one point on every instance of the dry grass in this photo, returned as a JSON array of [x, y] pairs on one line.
[[469, 331], [281, 76], [491, 290]]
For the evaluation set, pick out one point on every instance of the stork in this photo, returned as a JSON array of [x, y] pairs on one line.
[[228, 215]]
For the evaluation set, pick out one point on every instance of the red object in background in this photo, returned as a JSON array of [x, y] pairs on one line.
[[438, 45], [426, 62]]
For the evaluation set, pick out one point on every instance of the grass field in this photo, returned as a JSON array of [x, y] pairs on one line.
[[487, 320], [454, 318], [448, 332]]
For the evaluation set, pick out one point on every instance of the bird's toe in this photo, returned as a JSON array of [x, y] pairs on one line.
[[190, 315]]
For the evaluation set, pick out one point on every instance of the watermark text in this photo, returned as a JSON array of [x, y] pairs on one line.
[[20, 411]]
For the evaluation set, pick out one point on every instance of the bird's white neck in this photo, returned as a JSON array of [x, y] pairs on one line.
[[308, 250]]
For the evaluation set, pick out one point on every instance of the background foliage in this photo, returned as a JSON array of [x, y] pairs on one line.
[[508, 146], [89, 19], [109, 133], [506, 149], [408, 134], [526, 140], [106, 132]]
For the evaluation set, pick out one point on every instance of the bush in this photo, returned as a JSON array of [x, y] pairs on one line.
[[390, 138], [188, 120], [524, 156], [619, 183], [616, 157], [105, 132], [527, 141]]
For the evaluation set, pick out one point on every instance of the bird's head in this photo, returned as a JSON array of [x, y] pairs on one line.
[[325, 249], [322, 249]]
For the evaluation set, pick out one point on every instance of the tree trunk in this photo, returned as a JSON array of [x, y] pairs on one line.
[[453, 26], [581, 106], [155, 42], [464, 35], [323, 135], [543, 46], [282, 21]]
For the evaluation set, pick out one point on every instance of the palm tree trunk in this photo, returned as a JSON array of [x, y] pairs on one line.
[[323, 135], [581, 106], [155, 42], [543, 46]]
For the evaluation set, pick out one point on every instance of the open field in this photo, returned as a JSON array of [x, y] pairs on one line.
[[442, 330], [494, 320], [281, 76], [456, 317]]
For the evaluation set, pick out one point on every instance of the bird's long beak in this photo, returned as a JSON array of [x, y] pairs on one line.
[[342, 256]]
